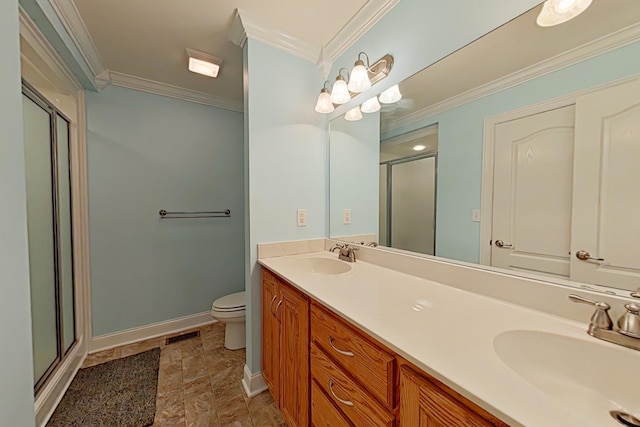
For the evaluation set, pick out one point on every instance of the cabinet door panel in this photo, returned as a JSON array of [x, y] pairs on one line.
[[293, 314], [270, 335]]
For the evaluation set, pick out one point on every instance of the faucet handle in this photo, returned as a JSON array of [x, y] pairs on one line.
[[600, 318], [629, 323]]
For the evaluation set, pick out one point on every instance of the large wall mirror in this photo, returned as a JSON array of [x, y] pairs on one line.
[[520, 151]]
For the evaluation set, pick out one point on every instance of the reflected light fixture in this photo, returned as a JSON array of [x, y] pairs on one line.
[[203, 63], [359, 80], [555, 12], [354, 114], [418, 147], [340, 94], [371, 105], [324, 104], [391, 95]]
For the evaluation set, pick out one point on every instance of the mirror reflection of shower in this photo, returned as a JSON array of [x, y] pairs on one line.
[[408, 174]]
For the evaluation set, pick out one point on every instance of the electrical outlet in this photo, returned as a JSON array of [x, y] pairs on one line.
[[346, 217], [475, 215], [302, 217]]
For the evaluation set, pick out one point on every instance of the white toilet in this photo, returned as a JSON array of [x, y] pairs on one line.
[[230, 310]]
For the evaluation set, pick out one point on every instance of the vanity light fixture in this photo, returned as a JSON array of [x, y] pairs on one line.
[[555, 12], [354, 114], [362, 77], [371, 105], [340, 93], [324, 104], [203, 63], [418, 147], [391, 95], [359, 81]]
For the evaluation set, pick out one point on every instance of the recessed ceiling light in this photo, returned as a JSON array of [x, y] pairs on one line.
[[418, 147], [203, 63]]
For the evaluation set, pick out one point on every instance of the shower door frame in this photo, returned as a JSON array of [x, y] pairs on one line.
[[32, 94]]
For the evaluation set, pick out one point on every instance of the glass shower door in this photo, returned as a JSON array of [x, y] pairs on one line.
[[49, 227]]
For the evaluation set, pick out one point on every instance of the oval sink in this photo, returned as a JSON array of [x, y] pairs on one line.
[[324, 265], [591, 378]]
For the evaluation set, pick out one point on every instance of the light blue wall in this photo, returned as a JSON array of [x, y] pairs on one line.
[[287, 169], [16, 368], [354, 155], [145, 153], [460, 138], [418, 33]]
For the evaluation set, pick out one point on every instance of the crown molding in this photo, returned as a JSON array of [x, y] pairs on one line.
[[39, 43], [361, 22], [246, 26], [587, 51], [145, 85], [74, 25]]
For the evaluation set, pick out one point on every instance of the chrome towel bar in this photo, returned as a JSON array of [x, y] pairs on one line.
[[213, 214]]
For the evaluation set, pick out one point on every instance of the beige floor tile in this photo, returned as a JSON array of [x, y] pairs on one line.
[[268, 416]]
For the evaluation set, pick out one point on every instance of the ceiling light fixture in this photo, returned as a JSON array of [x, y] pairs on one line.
[[371, 105], [354, 114], [391, 95], [418, 147], [555, 12], [359, 81], [324, 104], [203, 63]]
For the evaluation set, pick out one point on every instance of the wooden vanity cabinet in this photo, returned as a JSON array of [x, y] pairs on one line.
[[425, 402], [285, 348]]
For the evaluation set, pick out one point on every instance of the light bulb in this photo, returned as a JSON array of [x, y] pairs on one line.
[[359, 80], [555, 12], [353, 115], [391, 95], [340, 93], [324, 104], [418, 147], [371, 105]]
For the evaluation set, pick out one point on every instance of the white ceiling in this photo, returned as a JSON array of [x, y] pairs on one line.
[[148, 38], [516, 45]]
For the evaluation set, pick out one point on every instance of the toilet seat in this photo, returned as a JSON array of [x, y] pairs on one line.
[[231, 302]]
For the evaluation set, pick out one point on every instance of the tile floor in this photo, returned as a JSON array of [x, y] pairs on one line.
[[199, 383]]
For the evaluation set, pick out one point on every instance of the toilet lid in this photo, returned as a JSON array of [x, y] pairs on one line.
[[230, 302]]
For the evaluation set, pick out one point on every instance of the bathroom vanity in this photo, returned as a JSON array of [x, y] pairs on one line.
[[357, 344]]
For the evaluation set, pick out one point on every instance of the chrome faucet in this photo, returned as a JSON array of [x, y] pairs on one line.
[[347, 252], [627, 332]]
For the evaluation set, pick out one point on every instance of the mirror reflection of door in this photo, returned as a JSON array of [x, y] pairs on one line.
[[407, 191], [556, 193]]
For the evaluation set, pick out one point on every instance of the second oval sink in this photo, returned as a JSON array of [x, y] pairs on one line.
[[324, 265], [592, 378]]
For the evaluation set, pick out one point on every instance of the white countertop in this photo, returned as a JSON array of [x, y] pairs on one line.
[[447, 332]]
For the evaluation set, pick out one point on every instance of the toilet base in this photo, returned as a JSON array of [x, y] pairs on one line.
[[235, 336]]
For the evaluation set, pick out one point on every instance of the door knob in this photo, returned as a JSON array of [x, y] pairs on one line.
[[501, 244], [586, 256]]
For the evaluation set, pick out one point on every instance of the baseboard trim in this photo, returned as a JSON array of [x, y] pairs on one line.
[[154, 330], [253, 384]]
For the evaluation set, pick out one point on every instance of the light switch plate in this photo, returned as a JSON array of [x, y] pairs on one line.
[[302, 217], [346, 217], [475, 215]]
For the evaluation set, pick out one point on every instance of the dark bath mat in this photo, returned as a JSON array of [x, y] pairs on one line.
[[120, 393]]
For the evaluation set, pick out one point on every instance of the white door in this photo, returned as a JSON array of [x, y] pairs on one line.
[[533, 173], [606, 202]]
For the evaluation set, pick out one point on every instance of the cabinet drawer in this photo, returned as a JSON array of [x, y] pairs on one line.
[[346, 394], [323, 412], [367, 362]]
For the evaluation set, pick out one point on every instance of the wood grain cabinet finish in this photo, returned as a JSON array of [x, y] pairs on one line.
[[323, 411], [424, 402], [285, 348], [372, 366]]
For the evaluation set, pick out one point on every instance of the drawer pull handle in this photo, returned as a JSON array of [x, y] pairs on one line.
[[271, 305], [278, 307], [344, 353], [344, 402]]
